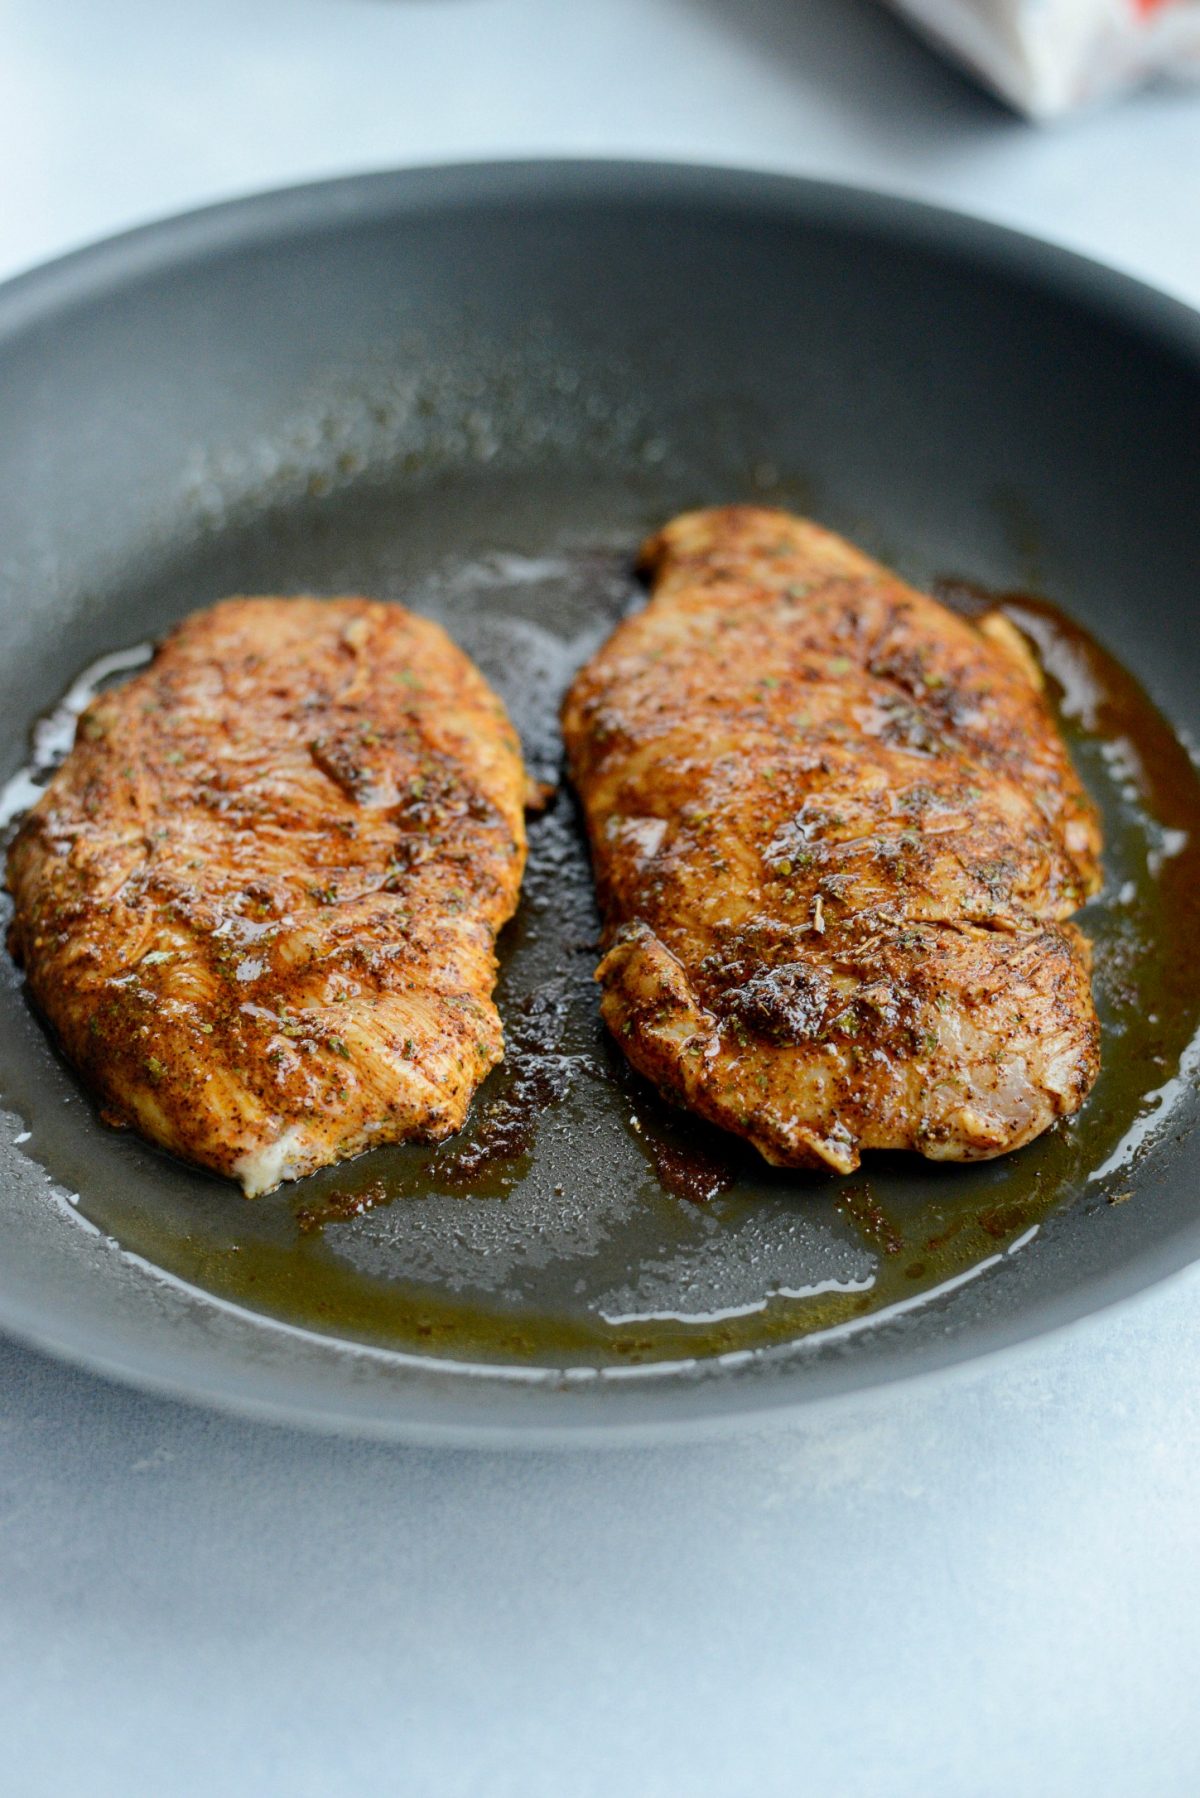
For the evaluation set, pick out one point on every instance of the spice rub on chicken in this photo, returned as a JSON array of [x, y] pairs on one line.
[[837, 838], [258, 902]]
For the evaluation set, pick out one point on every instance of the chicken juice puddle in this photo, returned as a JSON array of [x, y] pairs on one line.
[[578, 1219]]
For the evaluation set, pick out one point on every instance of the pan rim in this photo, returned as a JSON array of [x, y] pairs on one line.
[[754, 1410], [35, 298], [272, 214]]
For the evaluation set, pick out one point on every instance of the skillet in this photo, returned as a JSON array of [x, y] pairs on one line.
[[474, 389]]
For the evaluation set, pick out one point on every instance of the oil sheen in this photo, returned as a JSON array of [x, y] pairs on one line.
[[578, 1219]]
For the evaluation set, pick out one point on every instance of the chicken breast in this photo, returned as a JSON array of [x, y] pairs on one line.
[[836, 837], [258, 902]]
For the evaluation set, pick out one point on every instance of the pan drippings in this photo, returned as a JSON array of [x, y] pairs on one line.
[[578, 1219]]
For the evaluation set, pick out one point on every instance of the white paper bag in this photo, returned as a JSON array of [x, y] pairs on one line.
[[1046, 56]]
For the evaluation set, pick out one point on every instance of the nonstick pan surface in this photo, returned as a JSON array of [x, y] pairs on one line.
[[474, 390]]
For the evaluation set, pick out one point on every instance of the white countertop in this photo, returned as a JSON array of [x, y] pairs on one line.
[[986, 1585]]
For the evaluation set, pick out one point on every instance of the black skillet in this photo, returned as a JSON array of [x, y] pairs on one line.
[[474, 389]]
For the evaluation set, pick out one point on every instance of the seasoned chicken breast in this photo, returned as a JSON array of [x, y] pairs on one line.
[[258, 902], [837, 839]]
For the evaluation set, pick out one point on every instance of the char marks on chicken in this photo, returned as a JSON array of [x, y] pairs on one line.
[[838, 841], [258, 902]]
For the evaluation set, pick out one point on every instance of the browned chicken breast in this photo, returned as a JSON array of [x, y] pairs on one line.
[[836, 837], [258, 902]]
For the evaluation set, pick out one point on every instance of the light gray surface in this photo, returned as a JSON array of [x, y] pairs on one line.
[[979, 1587], [987, 1589]]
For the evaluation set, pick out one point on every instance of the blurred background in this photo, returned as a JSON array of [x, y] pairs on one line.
[[113, 113]]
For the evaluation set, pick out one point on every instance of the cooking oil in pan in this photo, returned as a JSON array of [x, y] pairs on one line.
[[578, 1219]]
